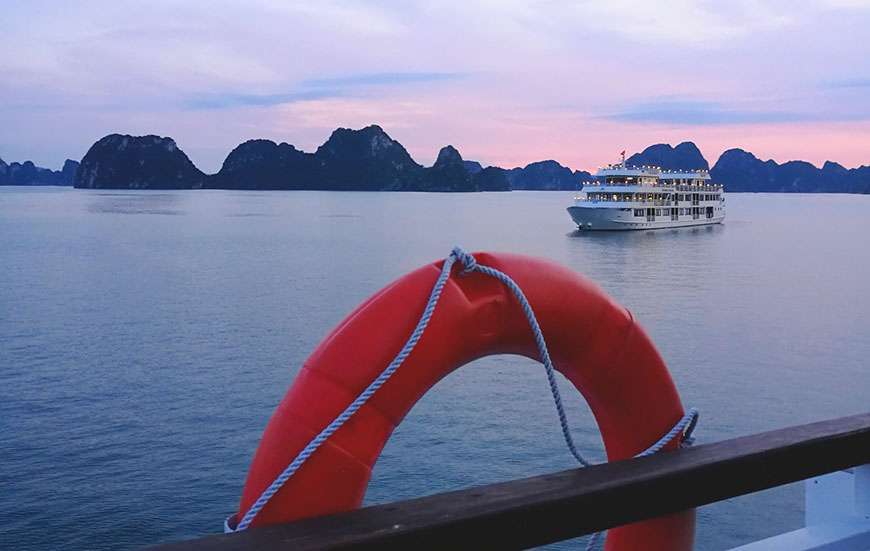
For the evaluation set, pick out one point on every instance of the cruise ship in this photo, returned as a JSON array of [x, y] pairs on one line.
[[625, 197]]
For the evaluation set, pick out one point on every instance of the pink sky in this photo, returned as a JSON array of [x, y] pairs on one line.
[[506, 82]]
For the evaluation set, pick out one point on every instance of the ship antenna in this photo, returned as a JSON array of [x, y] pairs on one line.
[[623, 158]]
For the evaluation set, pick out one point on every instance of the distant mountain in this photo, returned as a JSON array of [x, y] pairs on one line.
[[365, 159], [686, 156], [448, 173], [739, 170], [28, 174], [137, 162], [368, 159], [263, 164], [472, 166], [546, 175], [491, 178], [68, 172]]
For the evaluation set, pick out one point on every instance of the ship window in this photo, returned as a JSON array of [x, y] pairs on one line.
[[638, 212], [658, 212]]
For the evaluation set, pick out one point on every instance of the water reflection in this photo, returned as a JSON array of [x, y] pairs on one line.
[[136, 203]]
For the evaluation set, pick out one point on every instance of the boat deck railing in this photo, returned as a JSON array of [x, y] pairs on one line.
[[699, 188], [553, 507]]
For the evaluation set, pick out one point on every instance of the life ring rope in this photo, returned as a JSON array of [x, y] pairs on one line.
[[683, 428]]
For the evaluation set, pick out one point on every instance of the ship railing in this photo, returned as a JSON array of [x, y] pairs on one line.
[[690, 188], [554, 507], [629, 203]]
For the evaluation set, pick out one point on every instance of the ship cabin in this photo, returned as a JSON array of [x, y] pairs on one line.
[[654, 194]]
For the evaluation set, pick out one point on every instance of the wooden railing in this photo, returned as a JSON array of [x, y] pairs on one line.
[[544, 509]]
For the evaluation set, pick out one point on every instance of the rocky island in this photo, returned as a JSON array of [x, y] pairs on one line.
[[685, 156], [28, 174], [368, 159], [739, 170], [137, 162]]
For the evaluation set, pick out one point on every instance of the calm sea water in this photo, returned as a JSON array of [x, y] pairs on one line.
[[146, 337]]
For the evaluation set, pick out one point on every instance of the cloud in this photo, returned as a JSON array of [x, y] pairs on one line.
[[318, 89], [381, 79], [483, 74], [848, 83], [682, 21], [845, 4], [360, 17], [695, 112], [231, 100]]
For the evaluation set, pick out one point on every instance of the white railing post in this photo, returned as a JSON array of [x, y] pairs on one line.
[[836, 517], [828, 498], [862, 491]]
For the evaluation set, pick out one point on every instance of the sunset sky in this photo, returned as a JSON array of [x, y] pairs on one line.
[[506, 82]]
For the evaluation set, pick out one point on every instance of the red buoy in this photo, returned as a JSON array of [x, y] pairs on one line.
[[593, 342]]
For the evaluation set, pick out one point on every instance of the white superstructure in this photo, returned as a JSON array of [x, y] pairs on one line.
[[646, 197]]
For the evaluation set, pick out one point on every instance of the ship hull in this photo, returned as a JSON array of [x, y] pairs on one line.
[[614, 219]]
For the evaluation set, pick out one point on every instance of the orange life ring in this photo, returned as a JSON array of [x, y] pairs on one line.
[[593, 342]]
